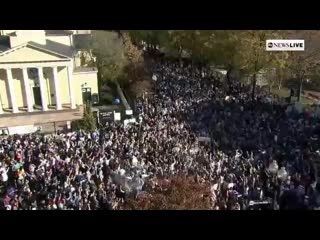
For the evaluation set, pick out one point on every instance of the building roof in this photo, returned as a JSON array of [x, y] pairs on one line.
[[85, 69], [4, 43], [3, 48], [55, 47], [58, 32], [48, 54]]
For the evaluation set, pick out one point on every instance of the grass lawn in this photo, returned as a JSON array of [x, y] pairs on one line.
[[285, 92]]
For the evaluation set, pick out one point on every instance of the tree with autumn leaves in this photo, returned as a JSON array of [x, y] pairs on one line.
[[175, 193], [116, 57], [303, 64], [119, 53], [243, 50], [135, 67], [253, 56], [110, 55]]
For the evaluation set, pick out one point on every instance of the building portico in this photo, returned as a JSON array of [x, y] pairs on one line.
[[26, 86], [43, 81], [32, 84]]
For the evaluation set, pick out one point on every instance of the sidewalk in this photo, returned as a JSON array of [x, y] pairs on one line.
[[35, 118]]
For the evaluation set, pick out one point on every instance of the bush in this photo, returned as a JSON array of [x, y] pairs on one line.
[[88, 123], [89, 119], [107, 98], [77, 125]]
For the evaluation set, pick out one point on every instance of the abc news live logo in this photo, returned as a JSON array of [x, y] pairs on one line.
[[284, 45]]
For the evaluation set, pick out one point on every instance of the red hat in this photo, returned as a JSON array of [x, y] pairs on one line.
[[19, 156]]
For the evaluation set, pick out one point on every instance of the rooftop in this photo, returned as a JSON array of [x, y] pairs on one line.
[[56, 47], [58, 32], [85, 69], [3, 48], [4, 43]]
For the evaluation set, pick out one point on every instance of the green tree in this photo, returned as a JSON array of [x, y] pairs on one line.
[[174, 45], [89, 119], [281, 63], [187, 43], [110, 56], [88, 123], [303, 63], [253, 54], [221, 48], [134, 55], [224, 47], [152, 38]]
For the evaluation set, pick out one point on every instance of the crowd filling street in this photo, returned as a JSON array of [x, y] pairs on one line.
[[252, 154]]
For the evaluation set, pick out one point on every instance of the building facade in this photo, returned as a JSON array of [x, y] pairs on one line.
[[41, 73]]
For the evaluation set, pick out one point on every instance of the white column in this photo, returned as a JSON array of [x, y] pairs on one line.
[[56, 88], [71, 88], [11, 91], [1, 110], [42, 90], [27, 89]]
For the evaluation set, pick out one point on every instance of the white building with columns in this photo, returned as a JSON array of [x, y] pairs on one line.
[[41, 74]]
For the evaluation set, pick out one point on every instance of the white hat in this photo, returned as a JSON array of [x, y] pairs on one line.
[[122, 171], [134, 161], [215, 187]]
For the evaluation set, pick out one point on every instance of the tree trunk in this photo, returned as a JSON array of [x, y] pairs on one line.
[[254, 84], [269, 87], [120, 34], [280, 81], [300, 86], [280, 84], [180, 53], [279, 78], [229, 78], [229, 70], [299, 89]]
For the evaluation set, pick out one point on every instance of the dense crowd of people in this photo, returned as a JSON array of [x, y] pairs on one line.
[[252, 154]]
